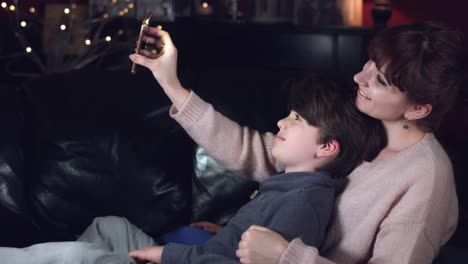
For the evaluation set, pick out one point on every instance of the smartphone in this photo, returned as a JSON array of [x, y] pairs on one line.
[[144, 25]]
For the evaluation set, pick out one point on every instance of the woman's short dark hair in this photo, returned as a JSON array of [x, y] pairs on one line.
[[331, 108], [425, 60]]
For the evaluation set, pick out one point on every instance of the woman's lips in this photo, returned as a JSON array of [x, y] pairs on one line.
[[363, 95]]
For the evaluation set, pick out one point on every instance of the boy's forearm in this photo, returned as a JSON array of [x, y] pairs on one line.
[[183, 254]]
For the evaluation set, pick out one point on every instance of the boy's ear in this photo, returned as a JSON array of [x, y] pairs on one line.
[[418, 111], [328, 149]]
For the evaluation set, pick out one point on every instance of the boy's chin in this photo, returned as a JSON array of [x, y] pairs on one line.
[[277, 157]]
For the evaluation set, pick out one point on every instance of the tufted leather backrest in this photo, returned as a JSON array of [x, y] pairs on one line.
[[102, 143], [14, 211]]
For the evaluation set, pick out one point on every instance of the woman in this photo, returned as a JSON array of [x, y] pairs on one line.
[[402, 206]]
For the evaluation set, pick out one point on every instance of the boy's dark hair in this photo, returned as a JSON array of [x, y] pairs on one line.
[[426, 60], [331, 108]]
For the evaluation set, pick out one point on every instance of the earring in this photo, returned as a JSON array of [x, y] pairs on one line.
[[405, 125]]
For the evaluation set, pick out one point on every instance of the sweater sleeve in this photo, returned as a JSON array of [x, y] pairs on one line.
[[299, 253], [239, 149]]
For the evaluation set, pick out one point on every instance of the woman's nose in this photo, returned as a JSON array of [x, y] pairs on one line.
[[360, 79]]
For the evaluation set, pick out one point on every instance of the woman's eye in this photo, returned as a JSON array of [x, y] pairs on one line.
[[380, 80]]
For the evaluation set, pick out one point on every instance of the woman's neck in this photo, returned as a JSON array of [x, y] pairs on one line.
[[399, 138]]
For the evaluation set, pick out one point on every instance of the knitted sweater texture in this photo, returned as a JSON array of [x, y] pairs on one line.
[[401, 209]]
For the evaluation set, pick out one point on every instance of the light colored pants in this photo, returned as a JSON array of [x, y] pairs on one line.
[[106, 240]]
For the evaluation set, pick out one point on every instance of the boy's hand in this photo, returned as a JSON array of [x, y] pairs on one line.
[[207, 226], [148, 254]]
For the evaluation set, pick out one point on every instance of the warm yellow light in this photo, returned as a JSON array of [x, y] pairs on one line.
[[66, 10], [121, 13], [105, 16], [23, 23], [120, 32], [73, 6], [114, 1], [108, 38], [125, 10], [12, 8], [4, 5], [88, 42], [205, 5], [63, 27], [159, 27], [351, 12], [131, 5], [28, 49], [32, 10]]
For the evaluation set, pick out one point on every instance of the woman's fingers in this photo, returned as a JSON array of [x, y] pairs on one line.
[[141, 60], [159, 33], [149, 54]]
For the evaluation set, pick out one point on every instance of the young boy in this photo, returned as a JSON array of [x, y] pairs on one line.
[[322, 139]]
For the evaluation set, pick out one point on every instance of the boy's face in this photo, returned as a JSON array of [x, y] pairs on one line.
[[296, 144]]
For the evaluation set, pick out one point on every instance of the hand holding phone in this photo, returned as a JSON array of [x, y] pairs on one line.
[[144, 25]]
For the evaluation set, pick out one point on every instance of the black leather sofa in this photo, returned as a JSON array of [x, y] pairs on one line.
[[88, 143]]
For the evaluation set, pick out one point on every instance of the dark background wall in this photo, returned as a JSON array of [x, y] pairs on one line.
[[451, 12]]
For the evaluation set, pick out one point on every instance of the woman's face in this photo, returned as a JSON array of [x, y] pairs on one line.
[[376, 98]]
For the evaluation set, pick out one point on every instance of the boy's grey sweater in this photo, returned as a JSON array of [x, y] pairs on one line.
[[296, 204]]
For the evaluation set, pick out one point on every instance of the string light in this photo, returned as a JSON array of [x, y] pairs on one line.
[[205, 5], [119, 8], [159, 27]]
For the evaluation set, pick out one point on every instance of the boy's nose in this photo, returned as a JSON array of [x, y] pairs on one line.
[[281, 124]]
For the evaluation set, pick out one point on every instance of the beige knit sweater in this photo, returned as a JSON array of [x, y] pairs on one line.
[[397, 210]]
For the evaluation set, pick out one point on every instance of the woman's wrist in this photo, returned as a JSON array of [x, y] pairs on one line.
[[176, 93]]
